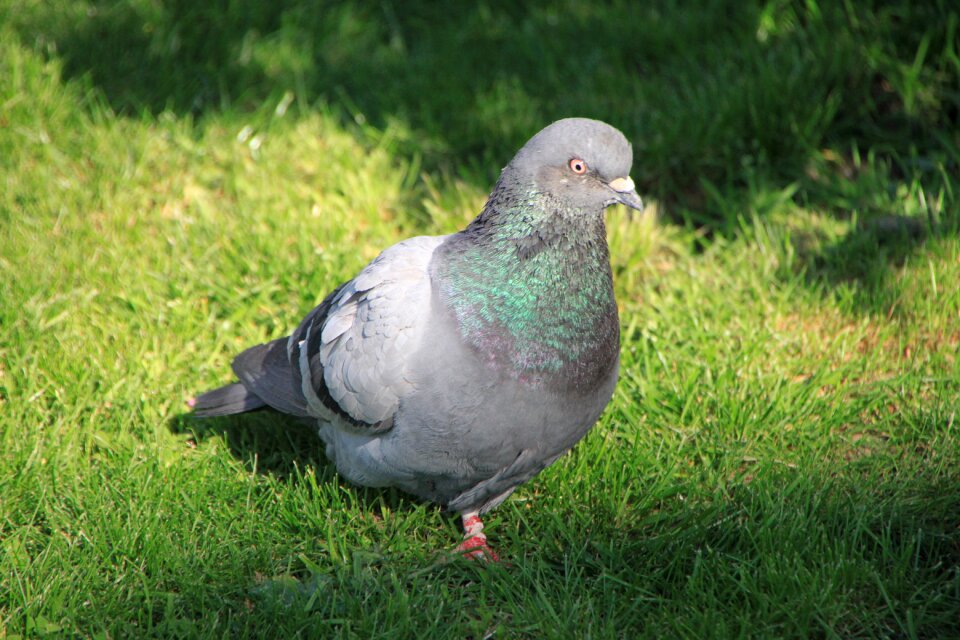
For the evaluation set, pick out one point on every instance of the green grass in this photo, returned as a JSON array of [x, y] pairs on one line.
[[782, 455]]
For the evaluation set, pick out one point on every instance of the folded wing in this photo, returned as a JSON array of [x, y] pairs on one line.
[[348, 359]]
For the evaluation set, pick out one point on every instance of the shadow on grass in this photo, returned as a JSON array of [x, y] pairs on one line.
[[717, 98], [282, 446], [867, 257], [827, 547], [706, 93], [265, 441]]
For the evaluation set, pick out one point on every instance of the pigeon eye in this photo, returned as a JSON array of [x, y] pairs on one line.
[[578, 166]]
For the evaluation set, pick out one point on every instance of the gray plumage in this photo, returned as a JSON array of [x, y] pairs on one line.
[[457, 367]]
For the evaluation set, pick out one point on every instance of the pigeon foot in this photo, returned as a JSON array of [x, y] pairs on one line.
[[474, 545]]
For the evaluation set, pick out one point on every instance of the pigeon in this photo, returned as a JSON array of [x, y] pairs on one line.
[[457, 367]]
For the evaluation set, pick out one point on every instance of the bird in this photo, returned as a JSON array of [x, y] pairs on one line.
[[457, 367]]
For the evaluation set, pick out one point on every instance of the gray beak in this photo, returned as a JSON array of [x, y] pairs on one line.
[[625, 193]]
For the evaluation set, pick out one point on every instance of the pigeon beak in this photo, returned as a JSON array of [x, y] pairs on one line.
[[626, 194]]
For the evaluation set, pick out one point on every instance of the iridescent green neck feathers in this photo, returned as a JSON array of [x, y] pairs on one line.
[[530, 287]]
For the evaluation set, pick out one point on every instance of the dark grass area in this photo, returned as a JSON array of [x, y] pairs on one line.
[[716, 96]]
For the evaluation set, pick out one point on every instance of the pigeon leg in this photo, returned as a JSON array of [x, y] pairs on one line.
[[474, 545]]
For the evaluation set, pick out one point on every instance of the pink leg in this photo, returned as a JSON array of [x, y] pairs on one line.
[[474, 545]]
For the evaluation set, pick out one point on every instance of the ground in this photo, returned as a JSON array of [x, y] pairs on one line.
[[782, 454]]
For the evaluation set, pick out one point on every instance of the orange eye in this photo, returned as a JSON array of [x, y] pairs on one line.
[[578, 166]]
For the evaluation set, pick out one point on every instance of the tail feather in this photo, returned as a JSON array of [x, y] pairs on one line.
[[227, 400], [267, 373]]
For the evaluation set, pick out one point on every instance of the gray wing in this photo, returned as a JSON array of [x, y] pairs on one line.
[[347, 361], [374, 325]]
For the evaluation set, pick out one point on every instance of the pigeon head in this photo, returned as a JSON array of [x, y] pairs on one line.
[[583, 163]]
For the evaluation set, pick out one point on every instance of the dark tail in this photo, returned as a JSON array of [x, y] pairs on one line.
[[233, 398]]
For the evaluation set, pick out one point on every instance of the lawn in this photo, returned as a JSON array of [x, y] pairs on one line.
[[781, 457]]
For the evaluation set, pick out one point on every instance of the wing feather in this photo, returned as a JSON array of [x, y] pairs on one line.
[[351, 353], [362, 359], [348, 358]]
